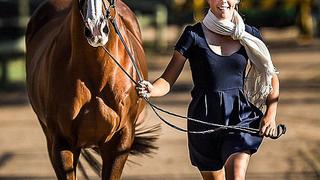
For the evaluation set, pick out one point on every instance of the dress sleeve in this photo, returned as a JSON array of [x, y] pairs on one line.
[[254, 31], [185, 42]]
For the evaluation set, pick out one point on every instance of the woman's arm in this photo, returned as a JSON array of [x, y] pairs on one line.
[[163, 84], [268, 123]]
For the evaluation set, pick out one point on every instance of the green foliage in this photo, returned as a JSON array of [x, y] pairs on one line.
[[16, 70]]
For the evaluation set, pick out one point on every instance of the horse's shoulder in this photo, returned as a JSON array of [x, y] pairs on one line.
[[47, 11]]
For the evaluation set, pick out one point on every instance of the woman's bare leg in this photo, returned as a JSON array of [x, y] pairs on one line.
[[236, 166], [213, 175]]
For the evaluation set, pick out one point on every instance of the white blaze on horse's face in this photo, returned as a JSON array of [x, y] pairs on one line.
[[97, 28]]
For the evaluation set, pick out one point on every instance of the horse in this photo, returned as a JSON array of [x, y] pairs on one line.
[[81, 97]]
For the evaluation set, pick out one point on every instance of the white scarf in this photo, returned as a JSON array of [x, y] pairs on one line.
[[258, 81]]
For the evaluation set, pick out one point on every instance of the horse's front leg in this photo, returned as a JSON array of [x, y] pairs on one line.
[[115, 152], [64, 158]]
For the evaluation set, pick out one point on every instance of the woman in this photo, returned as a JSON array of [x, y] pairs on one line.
[[225, 91]]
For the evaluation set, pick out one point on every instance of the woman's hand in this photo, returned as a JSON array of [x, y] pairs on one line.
[[268, 126], [144, 89]]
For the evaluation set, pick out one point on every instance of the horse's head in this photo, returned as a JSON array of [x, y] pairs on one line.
[[96, 21]]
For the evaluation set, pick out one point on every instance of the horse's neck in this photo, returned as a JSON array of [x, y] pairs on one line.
[[61, 4], [92, 64], [78, 39]]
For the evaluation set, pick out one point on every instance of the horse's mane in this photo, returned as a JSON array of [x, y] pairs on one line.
[[47, 11], [129, 20]]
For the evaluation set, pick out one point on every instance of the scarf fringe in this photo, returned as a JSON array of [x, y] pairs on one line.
[[258, 87]]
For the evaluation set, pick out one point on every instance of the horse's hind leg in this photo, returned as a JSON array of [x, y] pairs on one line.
[[114, 154], [64, 159]]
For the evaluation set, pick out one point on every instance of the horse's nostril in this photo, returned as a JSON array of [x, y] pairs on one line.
[[105, 29], [87, 33]]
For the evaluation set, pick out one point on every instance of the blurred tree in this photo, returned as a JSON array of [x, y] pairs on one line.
[[265, 13], [14, 16], [199, 9], [282, 13]]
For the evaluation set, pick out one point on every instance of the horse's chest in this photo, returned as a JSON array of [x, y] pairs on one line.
[[96, 122]]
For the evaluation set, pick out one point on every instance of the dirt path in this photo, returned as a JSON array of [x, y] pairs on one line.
[[23, 151]]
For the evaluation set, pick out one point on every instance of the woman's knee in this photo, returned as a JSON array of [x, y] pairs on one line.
[[236, 166]]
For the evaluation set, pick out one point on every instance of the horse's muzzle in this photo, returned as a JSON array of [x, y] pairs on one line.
[[96, 32]]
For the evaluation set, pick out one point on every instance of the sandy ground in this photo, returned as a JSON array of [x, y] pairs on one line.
[[294, 156]]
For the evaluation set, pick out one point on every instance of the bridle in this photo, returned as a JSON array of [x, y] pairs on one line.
[[107, 16], [281, 129], [113, 20]]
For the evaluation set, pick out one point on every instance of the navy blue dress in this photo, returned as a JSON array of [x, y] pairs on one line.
[[217, 97]]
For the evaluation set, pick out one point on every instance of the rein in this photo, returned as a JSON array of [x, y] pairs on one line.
[[281, 129]]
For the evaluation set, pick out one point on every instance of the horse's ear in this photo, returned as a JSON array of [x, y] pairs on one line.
[[111, 11]]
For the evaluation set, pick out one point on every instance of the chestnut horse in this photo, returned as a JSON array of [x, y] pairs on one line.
[[80, 96]]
